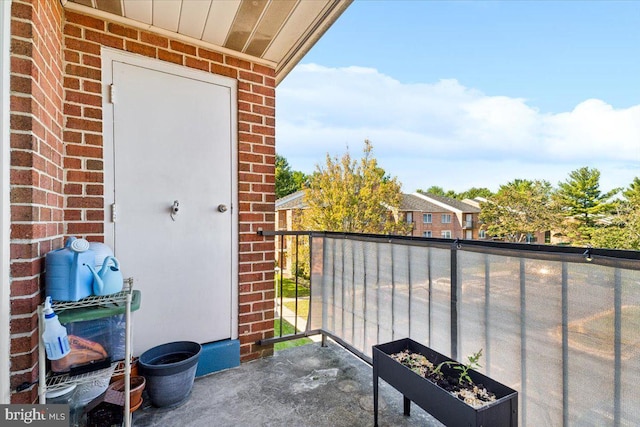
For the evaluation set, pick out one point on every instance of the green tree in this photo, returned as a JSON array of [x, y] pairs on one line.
[[353, 196], [287, 180], [623, 231], [582, 203], [519, 208], [474, 192], [438, 191]]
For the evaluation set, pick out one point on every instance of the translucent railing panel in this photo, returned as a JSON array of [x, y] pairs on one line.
[[560, 329]]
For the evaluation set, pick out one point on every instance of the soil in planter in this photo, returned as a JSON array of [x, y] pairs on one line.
[[447, 378]]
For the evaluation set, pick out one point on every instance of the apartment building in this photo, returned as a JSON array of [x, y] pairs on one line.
[[441, 217]]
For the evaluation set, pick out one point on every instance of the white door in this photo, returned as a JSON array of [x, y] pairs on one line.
[[174, 144]]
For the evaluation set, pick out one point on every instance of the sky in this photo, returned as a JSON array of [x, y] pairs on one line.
[[462, 94]]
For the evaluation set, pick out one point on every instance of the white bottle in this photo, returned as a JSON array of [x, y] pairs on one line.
[[55, 339]]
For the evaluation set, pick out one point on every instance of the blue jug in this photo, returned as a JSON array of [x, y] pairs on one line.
[[66, 277]]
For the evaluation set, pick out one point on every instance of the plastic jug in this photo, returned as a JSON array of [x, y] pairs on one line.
[[54, 336], [66, 277]]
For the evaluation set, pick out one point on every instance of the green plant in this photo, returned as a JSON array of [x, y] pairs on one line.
[[472, 363]]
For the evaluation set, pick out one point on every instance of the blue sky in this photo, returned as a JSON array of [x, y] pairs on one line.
[[462, 94]]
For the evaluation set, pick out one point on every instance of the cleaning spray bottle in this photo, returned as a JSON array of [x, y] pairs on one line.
[[56, 342]]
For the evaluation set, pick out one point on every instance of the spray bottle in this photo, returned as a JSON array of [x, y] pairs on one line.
[[55, 338]]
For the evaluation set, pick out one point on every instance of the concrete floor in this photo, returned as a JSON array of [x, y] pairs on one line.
[[303, 386]]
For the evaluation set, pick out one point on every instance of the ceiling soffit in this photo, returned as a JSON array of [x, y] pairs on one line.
[[277, 33]]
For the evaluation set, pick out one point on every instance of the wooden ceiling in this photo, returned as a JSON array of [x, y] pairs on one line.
[[274, 32]]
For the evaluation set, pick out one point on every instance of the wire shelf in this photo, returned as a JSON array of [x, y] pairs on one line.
[[92, 301], [60, 381]]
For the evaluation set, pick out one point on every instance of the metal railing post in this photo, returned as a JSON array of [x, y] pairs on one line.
[[454, 300]]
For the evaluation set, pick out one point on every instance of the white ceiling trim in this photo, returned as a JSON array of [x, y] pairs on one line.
[[85, 10]]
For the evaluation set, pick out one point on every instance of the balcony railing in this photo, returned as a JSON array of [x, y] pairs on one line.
[[559, 324]]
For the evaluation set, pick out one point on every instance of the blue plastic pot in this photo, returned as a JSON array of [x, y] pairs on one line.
[[169, 370]]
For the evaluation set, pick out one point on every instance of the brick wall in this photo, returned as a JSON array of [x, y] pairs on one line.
[[57, 159], [36, 172], [83, 37]]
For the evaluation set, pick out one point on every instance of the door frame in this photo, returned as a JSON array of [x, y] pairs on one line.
[[112, 55]]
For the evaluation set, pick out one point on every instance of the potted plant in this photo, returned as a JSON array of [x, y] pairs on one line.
[[452, 392]]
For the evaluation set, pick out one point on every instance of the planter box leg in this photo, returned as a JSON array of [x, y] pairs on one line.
[[407, 405], [375, 395]]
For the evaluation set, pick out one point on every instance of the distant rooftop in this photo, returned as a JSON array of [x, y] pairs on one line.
[[291, 201], [453, 203]]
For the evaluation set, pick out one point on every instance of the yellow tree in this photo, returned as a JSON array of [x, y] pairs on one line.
[[354, 196]]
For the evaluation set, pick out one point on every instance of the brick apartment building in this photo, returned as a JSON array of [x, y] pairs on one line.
[[431, 216], [441, 217]]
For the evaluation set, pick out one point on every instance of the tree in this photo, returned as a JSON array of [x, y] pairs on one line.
[[471, 193], [438, 191], [474, 192], [582, 203], [623, 231], [519, 209], [287, 181], [353, 196]]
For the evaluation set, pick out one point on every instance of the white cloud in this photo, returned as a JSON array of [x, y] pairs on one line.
[[446, 134]]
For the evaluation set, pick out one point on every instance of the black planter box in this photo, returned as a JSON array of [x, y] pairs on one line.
[[441, 404]]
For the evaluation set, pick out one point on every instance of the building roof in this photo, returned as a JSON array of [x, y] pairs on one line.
[[275, 33], [453, 204], [411, 202], [291, 201]]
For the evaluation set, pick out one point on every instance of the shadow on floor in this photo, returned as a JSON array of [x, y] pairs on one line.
[[302, 386]]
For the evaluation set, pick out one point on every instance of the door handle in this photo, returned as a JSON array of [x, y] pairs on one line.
[[222, 208]]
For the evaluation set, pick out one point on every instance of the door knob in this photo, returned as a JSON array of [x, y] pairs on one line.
[[222, 208]]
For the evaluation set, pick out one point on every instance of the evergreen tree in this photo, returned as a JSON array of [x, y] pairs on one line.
[[623, 231], [287, 181], [583, 203]]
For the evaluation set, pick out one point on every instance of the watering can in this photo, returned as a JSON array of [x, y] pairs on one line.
[[109, 279]]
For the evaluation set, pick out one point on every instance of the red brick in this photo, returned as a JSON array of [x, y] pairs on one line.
[[154, 39], [85, 20], [213, 56], [253, 77], [72, 30], [196, 63], [263, 69], [140, 48], [166, 55], [238, 63], [182, 47], [24, 287], [120, 30], [224, 71], [80, 176], [85, 72]]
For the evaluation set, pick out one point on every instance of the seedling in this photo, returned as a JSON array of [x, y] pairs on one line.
[[464, 369]]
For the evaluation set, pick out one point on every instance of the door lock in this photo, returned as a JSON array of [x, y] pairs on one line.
[[222, 208], [174, 209]]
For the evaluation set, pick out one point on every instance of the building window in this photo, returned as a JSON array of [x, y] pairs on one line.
[[427, 234], [468, 234], [446, 234], [446, 218], [482, 234], [426, 218], [409, 217]]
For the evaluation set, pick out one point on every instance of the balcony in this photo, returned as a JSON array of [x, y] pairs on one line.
[[561, 325], [307, 386], [467, 224]]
